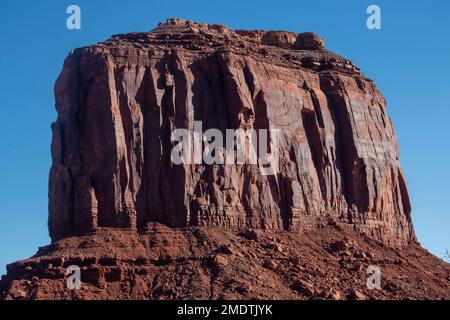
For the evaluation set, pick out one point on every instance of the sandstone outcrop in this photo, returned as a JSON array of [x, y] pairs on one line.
[[214, 263], [139, 226], [119, 101]]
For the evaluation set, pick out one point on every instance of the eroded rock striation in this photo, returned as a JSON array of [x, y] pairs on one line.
[[119, 101]]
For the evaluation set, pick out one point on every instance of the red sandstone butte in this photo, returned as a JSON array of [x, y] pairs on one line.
[[133, 220], [119, 101]]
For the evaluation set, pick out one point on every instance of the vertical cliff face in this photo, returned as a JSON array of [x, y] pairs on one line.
[[118, 103]]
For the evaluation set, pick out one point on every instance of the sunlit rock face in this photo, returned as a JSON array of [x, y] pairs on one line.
[[119, 101]]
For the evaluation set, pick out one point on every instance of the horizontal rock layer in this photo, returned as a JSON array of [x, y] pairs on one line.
[[201, 263], [119, 101]]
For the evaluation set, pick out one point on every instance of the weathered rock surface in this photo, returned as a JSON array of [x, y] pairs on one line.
[[191, 263], [141, 227], [119, 101]]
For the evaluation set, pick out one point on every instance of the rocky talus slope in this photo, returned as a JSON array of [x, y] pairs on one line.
[[143, 227], [214, 263]]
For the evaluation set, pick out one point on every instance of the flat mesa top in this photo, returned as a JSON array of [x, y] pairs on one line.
[[291, 49], [174, 30]]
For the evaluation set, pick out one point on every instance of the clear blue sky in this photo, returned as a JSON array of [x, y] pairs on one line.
[[409, 59]]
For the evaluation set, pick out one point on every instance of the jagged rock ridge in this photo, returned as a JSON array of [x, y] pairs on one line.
[[118, 102]]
